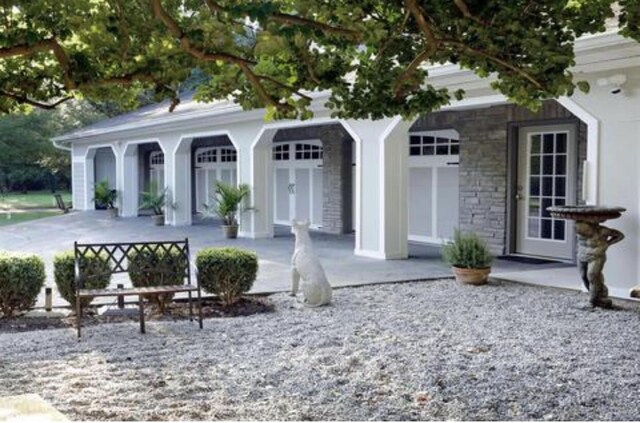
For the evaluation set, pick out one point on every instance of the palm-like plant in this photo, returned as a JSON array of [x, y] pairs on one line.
[[104, 195], [228, 203], [154, 199]]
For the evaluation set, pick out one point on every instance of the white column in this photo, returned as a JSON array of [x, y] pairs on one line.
[[253, 144], [381, 187], [127, 180], [177, 168]]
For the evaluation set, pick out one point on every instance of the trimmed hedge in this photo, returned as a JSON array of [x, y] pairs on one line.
[[21, 280], [227, 272], [95, 268], [148, 268]]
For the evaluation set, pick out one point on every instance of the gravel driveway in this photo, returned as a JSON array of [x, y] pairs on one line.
[[426, 350]]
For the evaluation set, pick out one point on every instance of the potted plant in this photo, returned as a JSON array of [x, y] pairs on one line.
[[105, 197], [228, 205], [156, 200], [469, 258]]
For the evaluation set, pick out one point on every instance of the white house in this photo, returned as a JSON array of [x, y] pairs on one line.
[[480, 164]]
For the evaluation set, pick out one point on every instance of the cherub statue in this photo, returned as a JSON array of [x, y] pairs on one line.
[[593, 242]]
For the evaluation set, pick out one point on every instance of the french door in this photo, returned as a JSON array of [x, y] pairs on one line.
[[298, 185], [298, 195], [547, 176]]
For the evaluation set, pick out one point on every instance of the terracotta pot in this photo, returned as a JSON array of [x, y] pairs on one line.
[[230, 231], [113, 212], [158, 219], [471, 276]]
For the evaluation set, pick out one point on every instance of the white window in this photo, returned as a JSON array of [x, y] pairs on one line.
[[308, 150], [156, 158], [432, 145], [281, 152]]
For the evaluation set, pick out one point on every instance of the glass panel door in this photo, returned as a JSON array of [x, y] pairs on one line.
[[546, 177]]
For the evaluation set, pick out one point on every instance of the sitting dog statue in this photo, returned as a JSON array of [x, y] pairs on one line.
[[635, 292], [306, 266]]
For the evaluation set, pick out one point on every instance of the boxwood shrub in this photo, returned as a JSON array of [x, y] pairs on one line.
[[227, 272], [21, 279], [96, 270], [149, 268]]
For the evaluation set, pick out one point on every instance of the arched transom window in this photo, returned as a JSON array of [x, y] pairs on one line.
[[216, 155], [156, 158]]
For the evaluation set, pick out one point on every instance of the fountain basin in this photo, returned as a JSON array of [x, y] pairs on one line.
[[595, 214]]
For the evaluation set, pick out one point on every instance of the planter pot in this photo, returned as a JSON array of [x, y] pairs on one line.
[[471, 276], [158, 219], [113, 212], [230, 231]]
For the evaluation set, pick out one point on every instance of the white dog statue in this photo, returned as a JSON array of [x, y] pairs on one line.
[[305, 264]]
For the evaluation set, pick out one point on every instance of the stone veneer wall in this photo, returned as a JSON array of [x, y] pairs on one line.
[[336, 172], [484, 164]]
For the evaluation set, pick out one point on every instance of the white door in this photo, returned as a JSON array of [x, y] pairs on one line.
[[433, 185], [156, 169], [298, 185], [213, 164], [547, 176]]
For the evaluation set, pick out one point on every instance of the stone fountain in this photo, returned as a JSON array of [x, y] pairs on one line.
[[593, 241]]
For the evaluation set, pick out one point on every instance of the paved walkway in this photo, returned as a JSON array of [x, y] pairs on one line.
[[48, 236]]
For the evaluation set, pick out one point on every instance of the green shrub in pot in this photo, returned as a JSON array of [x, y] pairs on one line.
[[469, 257], [227, 272], [96, 270], [21, 280]]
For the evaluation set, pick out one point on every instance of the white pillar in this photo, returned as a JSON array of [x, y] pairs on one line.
[[177, 168], [127, 180], [381, 187], [253, 144]]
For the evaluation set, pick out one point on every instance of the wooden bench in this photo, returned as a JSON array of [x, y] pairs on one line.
[[119, 257], [61, 204]]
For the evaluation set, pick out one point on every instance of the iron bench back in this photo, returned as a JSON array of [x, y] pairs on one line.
[[119, 257]]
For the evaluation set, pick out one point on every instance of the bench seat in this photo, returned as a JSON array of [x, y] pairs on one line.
[[112, 292]]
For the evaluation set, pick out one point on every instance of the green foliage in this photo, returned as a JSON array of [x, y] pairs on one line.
[[228, 202], [104, 195], [29, 161], [467, 251], [368, 53], [227, 272], [149, 268], [21, 279], [95, 270], [155, 199]]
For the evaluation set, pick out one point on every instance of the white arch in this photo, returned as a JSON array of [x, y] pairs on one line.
[[182, 151], [590, 191], [89, 175]]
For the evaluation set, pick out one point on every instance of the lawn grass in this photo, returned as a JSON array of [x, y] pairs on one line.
[[7, 219], [31, 200]]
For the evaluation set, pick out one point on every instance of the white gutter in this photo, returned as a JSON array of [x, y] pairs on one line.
[[56, 144]]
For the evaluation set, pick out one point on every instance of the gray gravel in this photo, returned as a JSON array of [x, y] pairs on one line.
[[426, 350]]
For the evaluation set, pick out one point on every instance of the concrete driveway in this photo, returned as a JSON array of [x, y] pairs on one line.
[[49, 236]]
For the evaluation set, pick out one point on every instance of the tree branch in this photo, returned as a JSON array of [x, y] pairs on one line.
[[418, 15], [497, 61], [466, 12], [25, 100], [411, 69], [185, 43], [326, 28]]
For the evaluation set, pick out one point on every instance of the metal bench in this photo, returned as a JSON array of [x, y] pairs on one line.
[[119, 257], [61, 204]]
